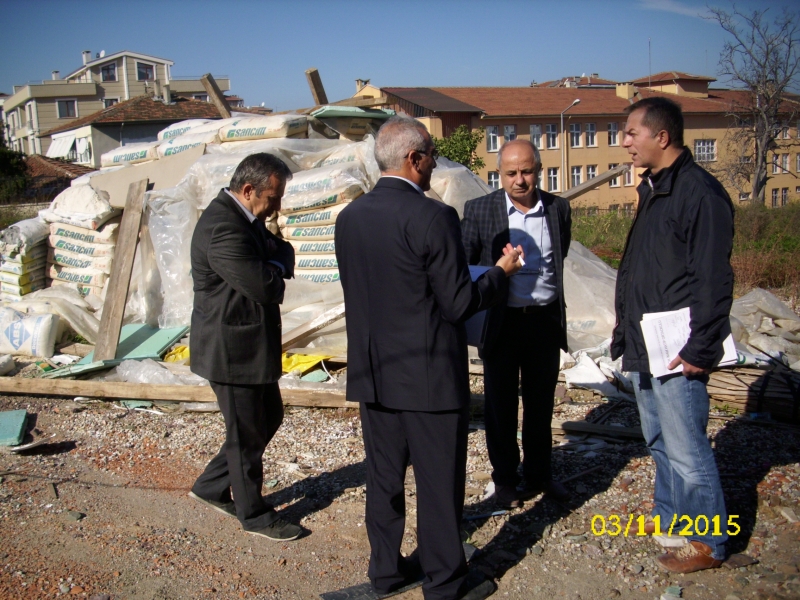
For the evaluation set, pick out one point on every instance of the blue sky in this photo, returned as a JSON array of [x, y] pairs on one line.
[[266, 46]]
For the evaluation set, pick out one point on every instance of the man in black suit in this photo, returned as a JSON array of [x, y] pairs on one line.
[[408, 291], [238, 268], [524, 333]]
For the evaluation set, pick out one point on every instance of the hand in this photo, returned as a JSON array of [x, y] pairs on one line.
[[689, 370], [509, 262]]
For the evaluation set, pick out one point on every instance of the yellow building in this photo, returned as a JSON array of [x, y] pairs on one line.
[[577, 123]]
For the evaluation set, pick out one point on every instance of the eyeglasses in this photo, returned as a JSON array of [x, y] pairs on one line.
[[434, 153]]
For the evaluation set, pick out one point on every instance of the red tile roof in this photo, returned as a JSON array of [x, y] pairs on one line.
[[41, 166], [431, 99], [671, 76], [144, 108]]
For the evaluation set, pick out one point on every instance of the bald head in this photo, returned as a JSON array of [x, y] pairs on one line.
[[519, 165], [520, 145]]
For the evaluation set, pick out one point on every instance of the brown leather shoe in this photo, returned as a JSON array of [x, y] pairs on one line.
[[505, 496], [694, 556]]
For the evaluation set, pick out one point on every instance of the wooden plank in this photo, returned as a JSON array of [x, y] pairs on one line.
[[584, 427], [141, 391], [362, 102], [587, 186], [216, 96], [117, 293], [298, 334], [315, 83]]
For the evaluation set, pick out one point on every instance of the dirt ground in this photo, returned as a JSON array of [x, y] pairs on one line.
[[102, 511]]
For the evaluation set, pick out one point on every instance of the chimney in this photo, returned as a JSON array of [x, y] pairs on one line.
[[595, 75], [626, 90], [87, 56], [360, 84], [56, 75]]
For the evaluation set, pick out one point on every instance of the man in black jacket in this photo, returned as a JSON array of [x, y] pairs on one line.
[[408, 291], [526, 332], [238, 268], [677, 256]]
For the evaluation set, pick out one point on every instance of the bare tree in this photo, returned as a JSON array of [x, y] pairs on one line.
[[764, 59]]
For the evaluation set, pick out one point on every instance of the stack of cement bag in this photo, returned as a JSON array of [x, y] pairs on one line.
[[22, 265], [82, 238]]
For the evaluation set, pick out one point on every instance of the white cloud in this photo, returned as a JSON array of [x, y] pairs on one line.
[[673, 6]]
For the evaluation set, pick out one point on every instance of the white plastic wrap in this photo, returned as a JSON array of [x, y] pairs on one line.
[[22, 236], [589, 288], [181, 128], [325, 186], [81, 206], [149, 371], [263, 127], [6, 364], [454, 184], [66, 302], [765, 324], [172, 217]]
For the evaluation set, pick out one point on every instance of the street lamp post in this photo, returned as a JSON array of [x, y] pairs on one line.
[[564, 145]]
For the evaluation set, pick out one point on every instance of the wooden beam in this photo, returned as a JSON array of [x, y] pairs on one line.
[[143, 391], [298, 334], [315, 83], [216, 96], [117, 292], [587, 186], [362, 102], [590, 428]]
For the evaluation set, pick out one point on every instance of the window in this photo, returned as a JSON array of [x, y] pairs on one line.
[[575, 135], [629, 174], [628, 208], [494, 180], [614, 182], [552, 136], [145, 72], [613, 130], [705, 150], [591, 211], [552, 179], [201, 97], [797, 190], [536, 137], [591, 135], [29, 113], [785, 131], [775, 168], [109, 102], [784, 163], [539, 179], [576, 176], [798, 163], [591, 172], [67, 109], [775, 198], [744, 196], [491, 138], [613, 207], [108, 72], [784, 196], [509, 132]]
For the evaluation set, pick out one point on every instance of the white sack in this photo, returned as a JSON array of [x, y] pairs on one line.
[[325, 216], [185, 142], [91, 277], [33, 254], [325, 186], [81, 248], [107, 234], [81, 206], [318, 275], [316, 261], [325, 247], [263, 127], [22, 236], [130, 154], [32, 335], [180, 128], [80, 261]]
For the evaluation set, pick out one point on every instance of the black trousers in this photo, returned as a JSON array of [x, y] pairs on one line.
[[252, 415], [436, 444], [527, 343]]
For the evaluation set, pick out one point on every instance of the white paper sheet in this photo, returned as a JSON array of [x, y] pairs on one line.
[[666, 333]]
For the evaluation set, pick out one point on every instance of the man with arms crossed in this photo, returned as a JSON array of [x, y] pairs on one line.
[[408, 291], [238, 268], [677, 255], [526, 333]]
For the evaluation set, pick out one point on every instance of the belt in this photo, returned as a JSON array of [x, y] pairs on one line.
[[533, 308]]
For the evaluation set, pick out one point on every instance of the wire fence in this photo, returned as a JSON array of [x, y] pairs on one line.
[[40, 189]]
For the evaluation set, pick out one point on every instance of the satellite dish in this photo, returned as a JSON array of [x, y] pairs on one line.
[[262, 104], [102, 53]]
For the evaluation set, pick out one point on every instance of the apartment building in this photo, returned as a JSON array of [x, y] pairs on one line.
[[577, 123], [98, 83]]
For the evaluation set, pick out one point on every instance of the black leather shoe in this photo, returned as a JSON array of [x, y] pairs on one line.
[[553, 489], [279, 531], [476, 587], [506, 496], [226, 508]]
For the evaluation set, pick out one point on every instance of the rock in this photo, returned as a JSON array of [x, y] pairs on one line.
[[481, 476], [788, 514], [591, 550], [737, 561], [537, 550], [636, 569], [786, 569], [615, 593], [741, 580], [578, 539], [775, 578], [674, 591], [63, 588], [76, 590], [100, 597], [74, 515]]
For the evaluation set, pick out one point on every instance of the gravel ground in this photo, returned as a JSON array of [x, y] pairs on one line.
[[103, 510]]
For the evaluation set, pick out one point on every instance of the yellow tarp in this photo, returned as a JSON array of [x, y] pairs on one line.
[[301, 362]]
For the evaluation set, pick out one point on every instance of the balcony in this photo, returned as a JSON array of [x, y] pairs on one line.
[[189, 85], [50, 89]]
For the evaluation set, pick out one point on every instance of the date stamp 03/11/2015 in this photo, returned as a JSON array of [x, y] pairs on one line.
[[684, 525]]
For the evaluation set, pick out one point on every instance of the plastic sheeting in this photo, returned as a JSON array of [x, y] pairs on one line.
[[762, 323], [454, 184]]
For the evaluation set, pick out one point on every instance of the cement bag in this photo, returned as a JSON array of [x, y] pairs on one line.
[[323, 232], [33, 254], [325, 216], [363, 152], [23, 268], [81, 206], [589, 287], [302, 152], [91, 277], [107, 234], [32, 335], [259, 128], [23, 236], [15, 279], [454, 184], [322, 187], [81, 248], [185, 142], [79, 261], [12, 289], [318, 276], [316, 261], [326, 247], [66, 301], [171, 217], [83, 290], [181, 128], [214, 125], [130, 154]]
